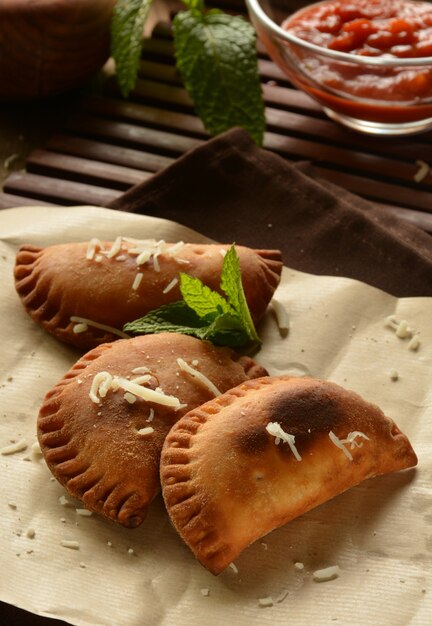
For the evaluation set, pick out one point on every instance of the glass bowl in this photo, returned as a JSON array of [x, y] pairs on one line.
[[379, 95]]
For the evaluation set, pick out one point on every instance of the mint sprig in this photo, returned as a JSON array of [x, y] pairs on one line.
[[215, 55], [127, 25], [204, 313]]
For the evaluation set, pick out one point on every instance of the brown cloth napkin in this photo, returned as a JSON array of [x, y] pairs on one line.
[[231, 190]]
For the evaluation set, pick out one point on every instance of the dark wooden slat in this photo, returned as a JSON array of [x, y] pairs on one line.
[[173, 96], [298, 124], [57, 190], [377, 190], [294, 148], [169, 143], [108, 153], [84, 170], [133, 112], [9, 201]]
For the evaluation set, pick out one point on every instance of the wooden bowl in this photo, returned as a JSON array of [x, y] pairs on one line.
[[51, 46]]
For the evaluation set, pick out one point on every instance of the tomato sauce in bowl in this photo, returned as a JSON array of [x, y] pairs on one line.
[[368, 62]]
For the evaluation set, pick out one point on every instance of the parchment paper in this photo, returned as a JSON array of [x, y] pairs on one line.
[[379, 533]]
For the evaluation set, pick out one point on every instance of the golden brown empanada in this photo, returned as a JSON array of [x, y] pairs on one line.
[[266, 452], [101, 428], [110, 284]]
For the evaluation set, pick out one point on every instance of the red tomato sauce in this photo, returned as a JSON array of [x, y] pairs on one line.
[[394, 29]]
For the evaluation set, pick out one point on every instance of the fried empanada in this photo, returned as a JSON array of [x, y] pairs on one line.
[[266, 452], [83, 293], [101, 428]]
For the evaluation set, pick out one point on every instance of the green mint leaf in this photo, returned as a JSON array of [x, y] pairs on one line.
[[216, 57], [168, 318], [231, 284], [127, 26], [198, 5], [206, 303], [227, 330]]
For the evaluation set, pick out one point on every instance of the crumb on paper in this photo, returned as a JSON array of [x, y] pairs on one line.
[[205, 591], [264, 545], [234, 567], [19, 446], [298, 565], [68, 543], [282, 596], [36, 449], [131, 551], [82, 565], [31, 533], [12, 505], [414, 343], [84, 512], [64, 501], [394, 375], [265, 602], [326, 574]]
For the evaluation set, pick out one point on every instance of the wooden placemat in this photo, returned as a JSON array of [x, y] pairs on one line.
[[113, 144]]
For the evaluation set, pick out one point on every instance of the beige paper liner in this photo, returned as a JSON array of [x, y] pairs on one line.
[[379, 533]]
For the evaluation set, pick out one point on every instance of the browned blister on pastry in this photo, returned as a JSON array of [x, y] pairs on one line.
[[266, 452], [101, 428], [113, 283]]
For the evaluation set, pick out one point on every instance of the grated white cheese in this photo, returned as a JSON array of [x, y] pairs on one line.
[[137, 281], [93, 245], [414, 343], [129, 397], [98, 258], [199, 376], [115, 248], [265, 602], [170, 285], [151, 395], [325, 574], [19, 446], [140, 380], [422, 172], [205, 591], [142, 369], [104, 381], [80, 328], [299, 566], [101, 383], [350, 439], [223, 252], [340, 444], [172, 250], [64, 501], [403, 330], [281, 316], [275, 429], [234, 568], [84, 512], [151, 415], [143, 257], [148, 430], [68, 543], [156, 265], [109, 329]]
